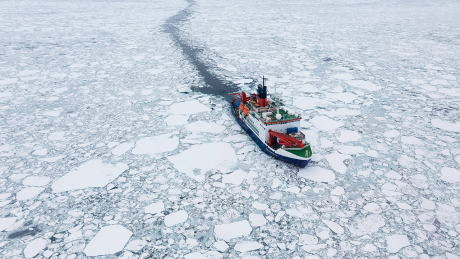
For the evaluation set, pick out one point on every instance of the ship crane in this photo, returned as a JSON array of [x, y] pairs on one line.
[[284, 139]]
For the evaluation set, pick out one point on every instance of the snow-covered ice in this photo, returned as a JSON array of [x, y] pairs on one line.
[[230, 231], [176, 218], [34, 247], [156, 144], [109, 240], [396, 242]]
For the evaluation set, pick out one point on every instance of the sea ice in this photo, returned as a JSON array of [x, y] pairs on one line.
[[310, 103], [199, 159], [176, 218], [248, 246], [306, 239], [326, 124], [372, 207], [411, 140], [335, 160], [221, 246], [56, 136], [29, 193], [109, 240], [446, 125], [156, 144], [348, 135], [367, 225], [34, 247], [136, 245], [317, 174], [36, 180], [257, 220], [396, 242], [366, 85], [93, 173], [174, 120], [450, 175], [122, 148], [351, 150], [336, 228], [154, 208], [237, 138], [7, 222], [188, 107], [235, 178], [233, 230], [391, 134], [203, 126]]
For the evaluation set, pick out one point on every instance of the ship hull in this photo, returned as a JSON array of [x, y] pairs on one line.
[[297, 162]]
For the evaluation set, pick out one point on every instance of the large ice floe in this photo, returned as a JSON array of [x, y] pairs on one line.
[[117, 139]]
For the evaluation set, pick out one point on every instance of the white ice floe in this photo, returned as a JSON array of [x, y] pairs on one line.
[[457, 159], [344, 76], [155, 71], [233, 230], [446, 125], [450, 175], [174, 120], [7, 222], [366, 85], [40, 152], [236, 138], [335, 160], [188, 107], [338, 191], [396, 242], [306, 239], [221, 246], [372, 207], [411, 140], [248, 246], [203, 126], [176, 218], [52, 113], [56, 136], [259, 206], [154, 208], [157, 144], [348, 135], [257, 220], [326, 124], [109, 240], [344, 97], [34, 247], [339, 112], [393, 175], [122, 148], [451, 256], [317, 174], [352, 150], [136, 245], [93, 173], [36, 180], [336, 228], [310, 103], [391, 134], [28, 193], [235, 178], [198, 159]]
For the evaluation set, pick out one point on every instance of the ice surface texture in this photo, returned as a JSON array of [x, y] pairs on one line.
[[105, 150]]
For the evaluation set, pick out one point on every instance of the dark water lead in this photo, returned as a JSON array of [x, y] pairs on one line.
[[213, 84], [29, 231]]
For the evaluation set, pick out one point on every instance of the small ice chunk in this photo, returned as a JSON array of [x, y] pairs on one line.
[[52, 113], [154, 208], [411, 140], [336, 228], [122, 148], [452, 256], [188, 107], [56, 136], [369, 248], [248, 246], [7, 222], [351, 150], [233, 230], [235, 178], [176, 218], [326, 124], [391, 134], [29, 193], [199, 159], [174, 120], [404, 206], [427, 204], [109, 240], [203, 126], [93, 173], [305, 239], [156, 144], [221, 246], [257, 220], [309, 103], [40, 152], [367, 225], [34, 247], [136, 245], [325, 143], [396, 242], [36, 180], [419, 181], [317, 174], [348, 135], [450, 175], [236, 138]]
